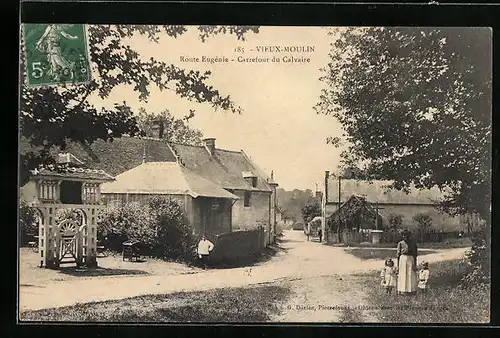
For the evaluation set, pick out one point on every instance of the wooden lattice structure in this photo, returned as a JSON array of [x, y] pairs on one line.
[[67, 186], [357, 213]]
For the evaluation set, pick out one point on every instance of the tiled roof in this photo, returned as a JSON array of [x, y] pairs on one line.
[[226, 168], [376, 191], [118, 156], [168, 178]]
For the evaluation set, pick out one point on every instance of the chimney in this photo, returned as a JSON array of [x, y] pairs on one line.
[[319, 194], [210, 145]]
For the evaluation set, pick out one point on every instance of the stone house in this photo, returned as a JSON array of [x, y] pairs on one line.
[[232, 171]]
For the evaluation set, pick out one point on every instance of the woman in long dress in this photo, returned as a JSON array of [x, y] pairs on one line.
[[407, 265], [50, 43]]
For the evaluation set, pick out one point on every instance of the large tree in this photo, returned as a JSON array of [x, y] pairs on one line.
[[293, 201], [415, 104], [53, 116], [165, 126]]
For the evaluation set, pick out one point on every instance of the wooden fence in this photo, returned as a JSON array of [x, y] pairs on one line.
[[239, 245], [353, 237]]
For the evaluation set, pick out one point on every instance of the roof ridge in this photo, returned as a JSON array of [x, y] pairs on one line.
[[202, 146]]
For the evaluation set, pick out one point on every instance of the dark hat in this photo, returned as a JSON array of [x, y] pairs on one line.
[[405, 233]]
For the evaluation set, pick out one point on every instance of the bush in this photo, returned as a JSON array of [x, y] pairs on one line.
[[423, 221], [160, 227], [478, 258], [395, 221], [310, 210], [173, 237], [27, 223]]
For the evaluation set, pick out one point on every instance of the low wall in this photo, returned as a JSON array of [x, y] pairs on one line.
[[238, 245]]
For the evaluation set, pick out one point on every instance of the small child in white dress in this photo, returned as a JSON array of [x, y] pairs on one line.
[[388, 276], [423, 277]]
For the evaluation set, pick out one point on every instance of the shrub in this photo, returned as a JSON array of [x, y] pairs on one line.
[[310, 210], [116, 224], [172, 237], [478, 258], [395, 221], [27, 222], [424, 223], [160, 227]]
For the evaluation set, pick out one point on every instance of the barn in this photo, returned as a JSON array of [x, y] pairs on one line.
[[389, 202]]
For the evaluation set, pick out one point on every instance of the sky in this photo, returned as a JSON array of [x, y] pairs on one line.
[[278, 127]]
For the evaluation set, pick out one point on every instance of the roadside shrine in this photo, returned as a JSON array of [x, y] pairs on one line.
[[67, 200]]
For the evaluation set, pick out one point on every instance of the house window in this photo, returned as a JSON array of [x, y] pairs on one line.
[[254, 182], [246, 200]]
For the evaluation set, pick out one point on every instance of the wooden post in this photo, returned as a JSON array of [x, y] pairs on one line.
[[338, 211]]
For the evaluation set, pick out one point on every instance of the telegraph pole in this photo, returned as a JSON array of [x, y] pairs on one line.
[[338, 209]]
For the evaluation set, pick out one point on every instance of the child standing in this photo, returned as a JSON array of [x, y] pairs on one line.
[[388, 276], [423, 277]]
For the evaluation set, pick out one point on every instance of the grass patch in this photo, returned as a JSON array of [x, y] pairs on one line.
[[379, 253], [464, 242], [251, 304], [446, 301]]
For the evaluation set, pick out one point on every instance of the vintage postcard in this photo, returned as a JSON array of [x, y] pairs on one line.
[[251, 174]]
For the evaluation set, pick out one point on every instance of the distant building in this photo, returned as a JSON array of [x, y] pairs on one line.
[[389, 202]]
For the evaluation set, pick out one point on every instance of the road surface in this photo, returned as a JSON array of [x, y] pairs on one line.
[[311, 268]]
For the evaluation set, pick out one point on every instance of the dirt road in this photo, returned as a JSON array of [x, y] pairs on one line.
[[313, 270]]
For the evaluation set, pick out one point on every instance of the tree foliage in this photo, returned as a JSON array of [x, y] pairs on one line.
[[423, 221], [50, 116], [395, 221], [293, 201], [310, 210], [160, 226], [165, 126], [28, 225], [415, 105]]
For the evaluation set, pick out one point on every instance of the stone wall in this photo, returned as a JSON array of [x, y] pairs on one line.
[[258, 213]]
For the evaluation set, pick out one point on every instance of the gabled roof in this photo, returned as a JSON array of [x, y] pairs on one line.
[[226, 168], [352, 206], [165, 178], [376, 191]]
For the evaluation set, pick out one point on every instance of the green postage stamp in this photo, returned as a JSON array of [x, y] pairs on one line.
[[56, 54]]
